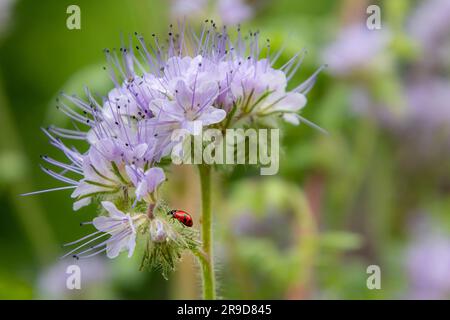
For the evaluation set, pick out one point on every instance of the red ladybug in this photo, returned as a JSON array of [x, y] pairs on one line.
[[182, 216]]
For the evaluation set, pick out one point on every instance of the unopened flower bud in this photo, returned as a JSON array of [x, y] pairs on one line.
[[157, 231]]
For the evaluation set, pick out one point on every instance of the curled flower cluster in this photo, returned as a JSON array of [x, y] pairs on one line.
[[206, 78]]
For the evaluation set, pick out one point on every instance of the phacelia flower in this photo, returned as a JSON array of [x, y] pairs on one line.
[[215, 82], [122, 229], [145, 182], [262, 90], [101, 176], [205, 80], [190, 104]]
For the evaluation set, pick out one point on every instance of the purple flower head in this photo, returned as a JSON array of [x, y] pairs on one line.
[[192, 81]]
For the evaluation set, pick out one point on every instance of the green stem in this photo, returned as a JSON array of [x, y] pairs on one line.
[[209, 286], [307, 243]]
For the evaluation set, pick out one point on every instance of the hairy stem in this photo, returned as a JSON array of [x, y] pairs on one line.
[[150, 209], [208, 280]]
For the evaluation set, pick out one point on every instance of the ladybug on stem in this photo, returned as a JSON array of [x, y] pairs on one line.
[[182, 216]]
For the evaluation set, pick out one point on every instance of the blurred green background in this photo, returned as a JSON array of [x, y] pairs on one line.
[[374, 191]]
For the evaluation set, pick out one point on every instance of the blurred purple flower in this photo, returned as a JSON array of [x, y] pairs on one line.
[[229, 11], [6, 8], [187, 8], [234, 11], [428, 102], [421, 129], [52, 282], [355, 48], [430, 23], [426, 124], [428, 266]]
